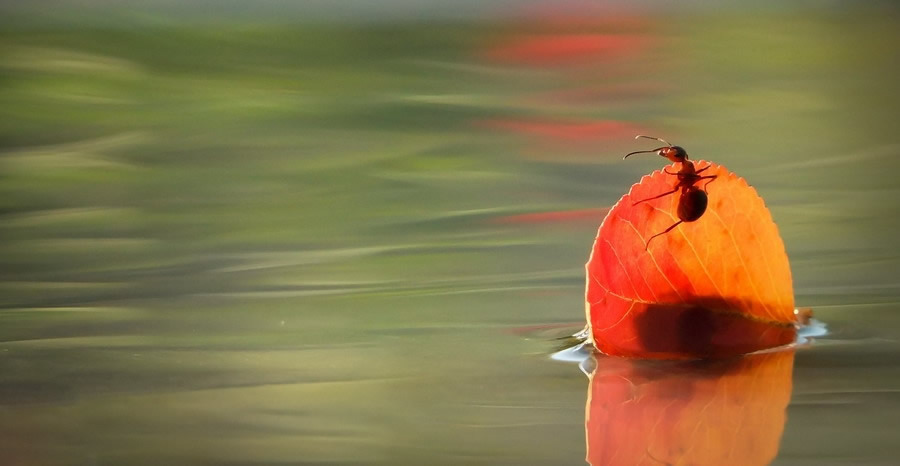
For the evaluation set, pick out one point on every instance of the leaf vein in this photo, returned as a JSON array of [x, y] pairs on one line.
[[653, 259], [740, 255]]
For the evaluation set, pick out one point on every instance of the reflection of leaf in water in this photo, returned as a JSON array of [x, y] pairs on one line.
[[706, 413], [715, 287]]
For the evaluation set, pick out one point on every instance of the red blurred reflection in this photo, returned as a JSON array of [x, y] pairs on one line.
[[564, 49], [580, 64], [701, 412]]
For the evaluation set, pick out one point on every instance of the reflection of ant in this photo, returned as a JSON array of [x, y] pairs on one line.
[[693, 201]]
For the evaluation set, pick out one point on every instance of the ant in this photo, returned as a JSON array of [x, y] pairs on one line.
[[693, 201]]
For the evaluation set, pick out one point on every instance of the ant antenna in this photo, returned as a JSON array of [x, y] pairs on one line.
[[643, 152], [654, 138]]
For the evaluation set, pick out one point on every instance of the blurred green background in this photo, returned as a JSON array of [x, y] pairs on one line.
[[322, 233]]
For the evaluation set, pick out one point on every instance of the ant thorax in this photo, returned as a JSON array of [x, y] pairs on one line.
[[687, 168]]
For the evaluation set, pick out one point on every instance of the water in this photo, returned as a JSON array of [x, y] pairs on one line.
[[350, 243]]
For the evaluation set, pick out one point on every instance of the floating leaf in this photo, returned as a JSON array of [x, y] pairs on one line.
[[715, 287], [708, 412]]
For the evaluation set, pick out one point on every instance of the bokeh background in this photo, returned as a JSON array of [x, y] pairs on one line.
[[274, 232]]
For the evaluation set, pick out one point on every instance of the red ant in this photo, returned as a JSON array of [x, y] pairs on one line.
[[693, 201]]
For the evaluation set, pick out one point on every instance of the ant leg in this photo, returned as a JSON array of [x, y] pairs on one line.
[[657, 197], [711, 178], [702, 169], [669, 173], [664, 232]]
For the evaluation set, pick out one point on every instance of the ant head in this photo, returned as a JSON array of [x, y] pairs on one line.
[[674, 153]]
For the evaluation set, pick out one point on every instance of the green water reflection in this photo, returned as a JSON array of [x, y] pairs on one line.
[[332, 243]]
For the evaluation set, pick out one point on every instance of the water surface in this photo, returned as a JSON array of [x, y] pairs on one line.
[[340, 243]]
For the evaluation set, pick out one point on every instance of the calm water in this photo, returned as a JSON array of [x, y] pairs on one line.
[[347, 244]]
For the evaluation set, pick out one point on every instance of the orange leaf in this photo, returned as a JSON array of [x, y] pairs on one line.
[[715, 287], [709, 412]]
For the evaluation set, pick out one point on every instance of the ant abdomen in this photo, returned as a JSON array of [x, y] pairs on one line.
[[692, 204]]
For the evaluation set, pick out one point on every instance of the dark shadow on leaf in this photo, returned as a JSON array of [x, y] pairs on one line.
[[705, 327]]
